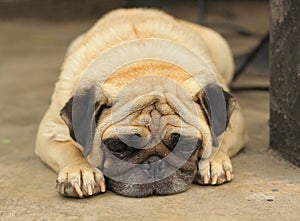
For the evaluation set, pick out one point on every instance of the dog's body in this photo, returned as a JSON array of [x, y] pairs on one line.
[[56, 142]]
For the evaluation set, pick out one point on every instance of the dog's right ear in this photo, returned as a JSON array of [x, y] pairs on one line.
[[217, 106], [80, 114]]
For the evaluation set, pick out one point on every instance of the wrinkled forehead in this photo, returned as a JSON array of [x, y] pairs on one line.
[[152, 107], [153, 117], [151, 89]]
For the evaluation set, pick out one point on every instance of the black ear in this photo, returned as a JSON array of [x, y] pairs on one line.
[[217, 105], [80, 114]]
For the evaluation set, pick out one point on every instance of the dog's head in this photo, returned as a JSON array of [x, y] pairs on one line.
[[147, 133]]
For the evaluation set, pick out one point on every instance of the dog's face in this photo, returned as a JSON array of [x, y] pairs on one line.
[[148, 134]]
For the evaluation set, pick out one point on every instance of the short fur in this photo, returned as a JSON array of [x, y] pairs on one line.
[[80, 164]]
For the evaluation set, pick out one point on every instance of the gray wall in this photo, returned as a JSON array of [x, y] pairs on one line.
[[285, 78]]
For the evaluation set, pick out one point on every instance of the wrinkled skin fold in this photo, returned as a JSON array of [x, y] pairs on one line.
[[142, 107]]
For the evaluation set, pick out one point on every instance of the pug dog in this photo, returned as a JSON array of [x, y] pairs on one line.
[[142, 107]]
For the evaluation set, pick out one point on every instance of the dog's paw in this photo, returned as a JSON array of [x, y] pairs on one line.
[[80, 180], [218, 170]]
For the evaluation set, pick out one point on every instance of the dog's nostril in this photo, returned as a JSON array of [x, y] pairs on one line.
[[175, 137], [171, 141], [174, 140]]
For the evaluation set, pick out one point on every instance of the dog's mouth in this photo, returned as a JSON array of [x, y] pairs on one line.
[[166, 168], [176, 183], [152, 179]]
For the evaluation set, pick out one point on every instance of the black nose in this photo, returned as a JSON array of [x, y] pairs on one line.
[[155, 167], [172, 141]]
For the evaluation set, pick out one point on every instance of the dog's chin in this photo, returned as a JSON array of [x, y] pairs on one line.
[[178, 182]]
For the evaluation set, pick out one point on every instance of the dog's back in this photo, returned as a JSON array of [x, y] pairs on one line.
[[124, 25]]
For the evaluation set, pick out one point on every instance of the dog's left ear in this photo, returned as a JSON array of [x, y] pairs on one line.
[[80, 114], [217, 106]]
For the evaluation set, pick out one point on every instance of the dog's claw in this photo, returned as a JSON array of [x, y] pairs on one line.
[[78, 190], [214, 179], [228, 175], [62, 188], [205, 179], [102, 186], [90, 191]]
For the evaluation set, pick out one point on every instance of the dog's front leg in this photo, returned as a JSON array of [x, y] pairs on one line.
[[76, 177], [218, 168]]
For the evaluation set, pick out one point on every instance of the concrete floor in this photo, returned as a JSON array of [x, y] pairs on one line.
[[265, 186]]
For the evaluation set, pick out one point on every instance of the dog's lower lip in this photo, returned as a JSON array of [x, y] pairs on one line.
[[138, 176], [121, 167], [161, 187]]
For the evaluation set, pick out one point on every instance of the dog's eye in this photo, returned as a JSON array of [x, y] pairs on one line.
[[118, 148]]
